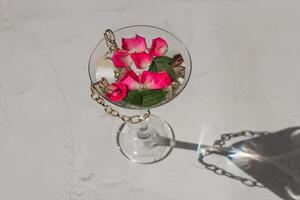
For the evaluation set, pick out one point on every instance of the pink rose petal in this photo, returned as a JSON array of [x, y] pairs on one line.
[[134, 44], [131, 80], [158, 47], [116, 92], [155, 80], [141, 60], [121, 59]]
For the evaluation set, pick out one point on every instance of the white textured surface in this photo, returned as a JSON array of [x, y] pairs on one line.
[[56, 144]]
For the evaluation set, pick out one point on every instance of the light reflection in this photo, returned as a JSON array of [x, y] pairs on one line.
[[291, 193], [244, 155], [203, 130]]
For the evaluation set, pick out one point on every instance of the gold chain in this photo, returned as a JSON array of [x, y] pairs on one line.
[[108, 109], [110, 40]]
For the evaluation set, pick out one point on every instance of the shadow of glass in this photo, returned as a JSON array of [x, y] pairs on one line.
[[271, 159]]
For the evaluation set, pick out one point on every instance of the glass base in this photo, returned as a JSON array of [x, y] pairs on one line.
[[147, 142]]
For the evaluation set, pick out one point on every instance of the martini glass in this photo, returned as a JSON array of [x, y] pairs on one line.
[[143, 138]]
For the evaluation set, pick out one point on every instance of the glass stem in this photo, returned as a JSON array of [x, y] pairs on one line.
[[143, 132]]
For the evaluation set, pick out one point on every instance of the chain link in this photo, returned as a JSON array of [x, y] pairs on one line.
[[108, 109], [220, 171], [110, 40]]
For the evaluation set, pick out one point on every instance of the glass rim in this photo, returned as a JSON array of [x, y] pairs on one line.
[[149, 26]]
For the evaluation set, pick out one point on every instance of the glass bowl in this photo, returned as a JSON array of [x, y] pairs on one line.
[[100, 64]]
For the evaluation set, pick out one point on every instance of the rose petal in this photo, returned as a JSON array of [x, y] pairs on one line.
[[105, 68], [158, 47], [134, 44], [105, 72], [121, 59], [131, 80], [117, 92], [141, 60], [155, 80]]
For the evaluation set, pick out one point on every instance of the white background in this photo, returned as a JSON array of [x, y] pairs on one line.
[[57, 144]]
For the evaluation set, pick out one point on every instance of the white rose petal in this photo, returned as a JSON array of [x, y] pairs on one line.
[[105, 68]]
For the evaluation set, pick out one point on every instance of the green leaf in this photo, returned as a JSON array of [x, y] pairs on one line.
[[153, 97], [152, 67], [163, 59], [163, 64], [145, 98], [168, 68], [134, 97]]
